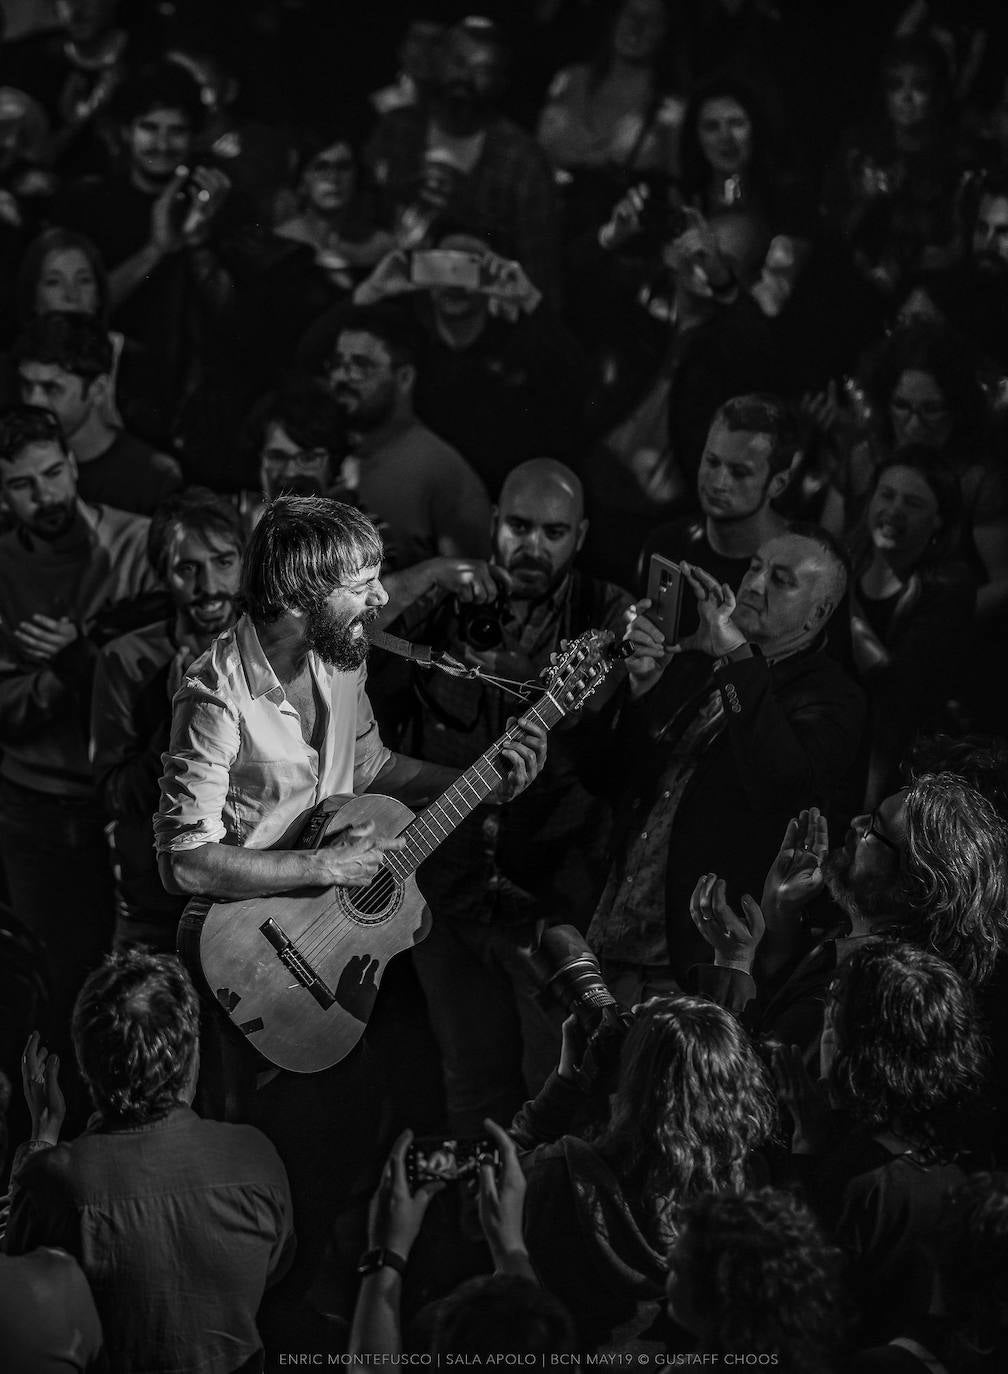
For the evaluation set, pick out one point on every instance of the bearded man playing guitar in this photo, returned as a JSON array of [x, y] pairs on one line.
[[275, 718], [269, 723]]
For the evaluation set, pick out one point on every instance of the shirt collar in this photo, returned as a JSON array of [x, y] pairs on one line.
[[258, 670]]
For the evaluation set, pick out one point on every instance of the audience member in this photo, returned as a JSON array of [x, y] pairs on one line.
[[902, 1054], [753, 1275], [63, 566], [65, 364], [751, 451], [911, 607], [729, 731], [500, 182], [425, 495], [691, 1109], [502, 871], [179, 1224], [194, 545]]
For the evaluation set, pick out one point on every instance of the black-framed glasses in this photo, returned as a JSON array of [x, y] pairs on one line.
[[929, 413], [302, 459], [872, 829]]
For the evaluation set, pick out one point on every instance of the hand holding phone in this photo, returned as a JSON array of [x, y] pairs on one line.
[[665, 593]]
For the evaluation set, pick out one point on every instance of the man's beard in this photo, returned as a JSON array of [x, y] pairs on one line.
[[462, 110], [864, 901], [548, 580], [203, 628], [367, 414], [49, 522], [334, 640]]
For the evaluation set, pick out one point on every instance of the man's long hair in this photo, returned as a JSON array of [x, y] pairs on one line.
[[692, 1103], [909, 1049], [136, 1035], [955, 872], [303, 548]]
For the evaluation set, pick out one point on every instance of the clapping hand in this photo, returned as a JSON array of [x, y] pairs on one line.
[[42, 1091], [396, 1215], [391, 277], [733, 936], [506, 282], [42, 637], [795, 876]]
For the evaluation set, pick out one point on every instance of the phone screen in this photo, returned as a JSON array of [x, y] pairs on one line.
[[438, 1159], [445, 267]]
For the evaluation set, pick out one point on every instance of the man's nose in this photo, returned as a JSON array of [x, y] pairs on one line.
[[378, 596], [756, 582]]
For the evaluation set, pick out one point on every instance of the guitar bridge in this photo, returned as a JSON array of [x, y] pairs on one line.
[[295, 962]]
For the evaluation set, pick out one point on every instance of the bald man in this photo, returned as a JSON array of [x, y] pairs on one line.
[[505, 869]]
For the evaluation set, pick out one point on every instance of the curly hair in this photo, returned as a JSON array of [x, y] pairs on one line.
[[972, 1249], [23, 426], [136, 1035], [197, 509], [303, 548], [908, 1043], [955, 872], [764, 1280], [691, 1105], [980, 760], [77, 343]]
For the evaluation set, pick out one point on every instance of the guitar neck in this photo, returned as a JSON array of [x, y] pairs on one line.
[[436, 823]]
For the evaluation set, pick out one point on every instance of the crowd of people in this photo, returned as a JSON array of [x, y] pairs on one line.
[[584, 424]]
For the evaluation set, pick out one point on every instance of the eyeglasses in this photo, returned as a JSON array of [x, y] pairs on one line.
[[872, 830], [361, 368], [928, 412], [301, 459]]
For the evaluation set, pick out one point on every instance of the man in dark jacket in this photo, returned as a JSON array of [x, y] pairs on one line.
[[752, 722]]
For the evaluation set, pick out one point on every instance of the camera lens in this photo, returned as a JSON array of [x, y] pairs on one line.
[[480, 626], [570, 971]]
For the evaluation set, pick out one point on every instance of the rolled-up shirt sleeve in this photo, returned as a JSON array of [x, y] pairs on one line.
[[370, 755], [205, 738]]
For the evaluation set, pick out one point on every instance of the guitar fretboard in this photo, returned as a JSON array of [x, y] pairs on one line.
[[436, 823]]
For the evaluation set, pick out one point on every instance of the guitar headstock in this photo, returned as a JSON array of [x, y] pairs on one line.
[[579, 668]]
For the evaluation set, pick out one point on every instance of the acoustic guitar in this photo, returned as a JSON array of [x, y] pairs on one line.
[[298, 973]]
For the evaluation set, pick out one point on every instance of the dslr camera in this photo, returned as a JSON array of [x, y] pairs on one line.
[[480, 623]]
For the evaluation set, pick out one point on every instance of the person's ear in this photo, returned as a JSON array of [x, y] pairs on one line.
[[582, 534], [406, 378], [780, 481], [98, 390], [821, 613]]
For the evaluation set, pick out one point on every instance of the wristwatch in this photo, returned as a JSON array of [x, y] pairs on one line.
[[380, 1258]]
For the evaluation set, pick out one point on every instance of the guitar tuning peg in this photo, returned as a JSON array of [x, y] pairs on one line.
[[565, 644]]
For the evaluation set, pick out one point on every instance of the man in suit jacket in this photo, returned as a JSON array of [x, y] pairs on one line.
[[725, 736]]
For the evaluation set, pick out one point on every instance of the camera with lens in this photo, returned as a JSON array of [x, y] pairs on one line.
[[480, 623], [568, 972]]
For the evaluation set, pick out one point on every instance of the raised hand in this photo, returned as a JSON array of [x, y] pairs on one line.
[[396, 1215], [502, 1203], [391, 277], [625, 221], [795, 876], [42, 1091], [717, 633], [733, 936], [651, 655], [209, 188]]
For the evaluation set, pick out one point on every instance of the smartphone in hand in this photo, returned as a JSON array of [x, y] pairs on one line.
[[448, 1159], [665, 592]]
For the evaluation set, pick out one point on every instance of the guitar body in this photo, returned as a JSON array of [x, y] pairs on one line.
[[298, 974]]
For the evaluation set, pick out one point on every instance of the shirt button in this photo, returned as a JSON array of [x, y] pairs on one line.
[[666, 795], [630, 879], [643, 834]]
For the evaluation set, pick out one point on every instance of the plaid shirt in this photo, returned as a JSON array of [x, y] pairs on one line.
[[508, 198]]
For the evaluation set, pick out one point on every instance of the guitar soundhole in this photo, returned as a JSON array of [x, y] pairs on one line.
[[376, 901]]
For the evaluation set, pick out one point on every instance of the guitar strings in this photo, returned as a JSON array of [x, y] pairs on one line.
[[331, 934]]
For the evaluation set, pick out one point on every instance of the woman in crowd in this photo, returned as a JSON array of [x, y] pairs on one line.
[[616, 113], [691, 1108], [909, 155], [911, 605], [923, 390], [903, 1055], [335, 215]]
